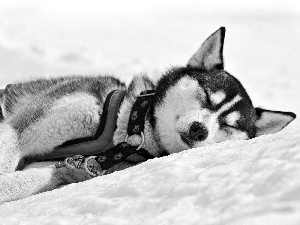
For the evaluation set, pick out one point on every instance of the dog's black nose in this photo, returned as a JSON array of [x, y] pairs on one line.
[[198, 132]]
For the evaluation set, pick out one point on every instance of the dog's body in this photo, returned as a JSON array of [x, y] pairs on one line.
[[193, 106]]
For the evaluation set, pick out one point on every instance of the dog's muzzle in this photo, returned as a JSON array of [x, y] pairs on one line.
[[197, 132]]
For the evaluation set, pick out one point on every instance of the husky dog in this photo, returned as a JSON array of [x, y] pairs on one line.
[[193, 106]]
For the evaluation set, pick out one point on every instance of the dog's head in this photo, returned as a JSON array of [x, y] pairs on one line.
[[202, 104]]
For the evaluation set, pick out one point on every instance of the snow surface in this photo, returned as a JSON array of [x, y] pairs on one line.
[[241, 182], [234, 182]]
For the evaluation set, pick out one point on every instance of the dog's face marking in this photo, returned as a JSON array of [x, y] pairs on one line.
[[232, 118], [217, 97], [188, 105]]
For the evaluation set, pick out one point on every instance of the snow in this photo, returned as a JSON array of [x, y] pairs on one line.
[[234, 182], [241, 182]]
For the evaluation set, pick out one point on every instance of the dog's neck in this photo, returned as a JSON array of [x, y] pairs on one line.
[[122, 123]]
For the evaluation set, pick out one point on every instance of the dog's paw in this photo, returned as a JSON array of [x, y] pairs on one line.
[[69, 175]]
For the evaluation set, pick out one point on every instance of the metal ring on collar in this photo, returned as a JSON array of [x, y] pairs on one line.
[[143, 140], [87, 169]]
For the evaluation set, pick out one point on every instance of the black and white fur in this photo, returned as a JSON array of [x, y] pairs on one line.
[[195, 105]]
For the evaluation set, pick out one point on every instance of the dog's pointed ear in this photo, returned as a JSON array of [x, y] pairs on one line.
[[210, 55], [270, 122]]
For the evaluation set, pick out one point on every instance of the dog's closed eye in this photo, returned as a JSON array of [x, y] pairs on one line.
[[228, 126], [207, 98], [231, 120]]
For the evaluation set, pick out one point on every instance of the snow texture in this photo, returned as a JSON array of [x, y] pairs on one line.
[[231, 183], [241, 182]]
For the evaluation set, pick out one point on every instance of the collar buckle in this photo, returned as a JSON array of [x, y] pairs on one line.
[[92, 168]]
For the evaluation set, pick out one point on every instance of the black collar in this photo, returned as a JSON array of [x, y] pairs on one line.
[[136, 123], [121, 151]]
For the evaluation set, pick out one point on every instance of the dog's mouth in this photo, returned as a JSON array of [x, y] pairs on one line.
[[184, 137]]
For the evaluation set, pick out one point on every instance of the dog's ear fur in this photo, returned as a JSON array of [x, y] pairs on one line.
[[138, 84], [270, 122], [210, 55]]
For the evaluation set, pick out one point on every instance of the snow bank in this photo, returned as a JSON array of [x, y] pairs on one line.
[[235, 182]]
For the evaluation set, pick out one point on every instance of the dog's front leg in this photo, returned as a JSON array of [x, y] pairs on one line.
[[43, 176], [9, 149], [37, 178]]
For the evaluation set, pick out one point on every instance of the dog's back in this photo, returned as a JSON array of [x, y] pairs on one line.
[[45, 113], [46, 91]]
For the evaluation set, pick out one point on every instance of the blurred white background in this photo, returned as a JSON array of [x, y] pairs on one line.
[[61, 37]]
